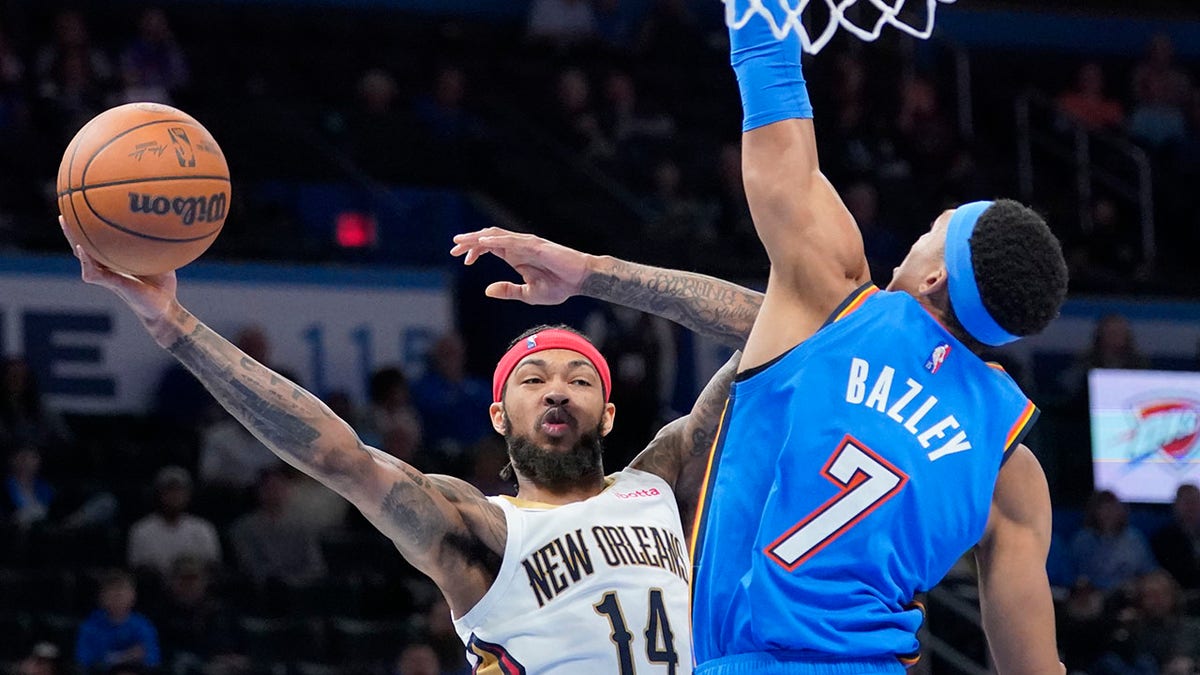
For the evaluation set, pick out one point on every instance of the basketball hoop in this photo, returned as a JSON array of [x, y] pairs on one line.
[[787, 16]]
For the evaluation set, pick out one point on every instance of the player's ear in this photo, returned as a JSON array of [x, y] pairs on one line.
[[606, 419], [496, 412], [934, 281]]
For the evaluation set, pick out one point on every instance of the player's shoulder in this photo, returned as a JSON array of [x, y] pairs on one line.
[[630, 477]]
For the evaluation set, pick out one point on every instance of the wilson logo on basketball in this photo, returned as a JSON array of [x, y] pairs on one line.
[[189, 209], [1171, 427]]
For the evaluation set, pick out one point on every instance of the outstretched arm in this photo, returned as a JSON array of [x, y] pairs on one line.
[[551, 273], [815, 247], [433, 520], [679, 452], [1018, 612]]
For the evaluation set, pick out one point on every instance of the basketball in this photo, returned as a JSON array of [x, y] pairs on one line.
[[144, 188]]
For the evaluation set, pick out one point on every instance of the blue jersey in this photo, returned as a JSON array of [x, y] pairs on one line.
[[849, 475]]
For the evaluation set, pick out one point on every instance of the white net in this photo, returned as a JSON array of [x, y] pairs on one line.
[[785, 16]]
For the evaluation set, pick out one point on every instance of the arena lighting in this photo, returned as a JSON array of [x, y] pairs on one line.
[[354, 229]]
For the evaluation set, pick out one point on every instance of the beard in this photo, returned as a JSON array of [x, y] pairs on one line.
[[556, 470]]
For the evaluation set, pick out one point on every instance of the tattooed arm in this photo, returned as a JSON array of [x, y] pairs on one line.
[[443, 526], [552, 273], [679, 453]]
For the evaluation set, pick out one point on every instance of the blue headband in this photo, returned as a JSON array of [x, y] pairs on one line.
[[964, 292]]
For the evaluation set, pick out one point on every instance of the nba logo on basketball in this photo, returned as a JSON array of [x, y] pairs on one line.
[[937, 358], [1171, 427]]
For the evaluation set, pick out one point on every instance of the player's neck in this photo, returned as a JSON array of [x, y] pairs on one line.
[[532, 492], [950, 324]]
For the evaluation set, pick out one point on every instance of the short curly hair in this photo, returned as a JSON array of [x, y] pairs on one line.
[[1019, 268]]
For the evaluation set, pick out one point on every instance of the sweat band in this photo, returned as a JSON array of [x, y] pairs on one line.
[[768, 72], [964, 291], [549, 339]]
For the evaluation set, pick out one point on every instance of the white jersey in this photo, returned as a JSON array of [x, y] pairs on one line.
[[594, 587]]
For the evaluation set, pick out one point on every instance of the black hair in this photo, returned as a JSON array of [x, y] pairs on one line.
[[1019, 268], [544, 327], [384, 380]]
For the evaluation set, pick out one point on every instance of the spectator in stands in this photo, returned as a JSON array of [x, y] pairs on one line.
[[1113, 346], [157, 540], [614, 23], [884, 249], [115, 636], [670, 33], [628, 121], [73, 76], [391, 406], [926, 137], [43, 659], [27, 497], [488, 459], [1163, 631], [1158, 76], [439, 634], [181, 404], [12, 74], [1081, 618], [641, 349], [24, 418], [1108, 552], [1122, 652], [197, 631], [271, 544], [445, 396], [1161, 92], [561, 23], [153, 66], [442, 112], [679, 229], [418, 659], [575, 120], [231, 457], [1177, 545], [1088, 104]]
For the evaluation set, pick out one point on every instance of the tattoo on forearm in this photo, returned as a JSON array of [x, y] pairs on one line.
[[711, 307], [411, 507], [276, 411]]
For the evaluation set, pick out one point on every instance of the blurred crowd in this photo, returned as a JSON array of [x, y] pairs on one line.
[[597, 121], [607, 124]]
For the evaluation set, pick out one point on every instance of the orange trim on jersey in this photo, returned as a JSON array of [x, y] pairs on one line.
[[1019, 427], [856, 302], [909, 660], [701, 502], [996, 366]]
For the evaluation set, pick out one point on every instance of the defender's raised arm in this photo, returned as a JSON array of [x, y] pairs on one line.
[[815, 247]]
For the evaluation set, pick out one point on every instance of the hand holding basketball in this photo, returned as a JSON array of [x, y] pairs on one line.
[[143, 188], [150, 297]]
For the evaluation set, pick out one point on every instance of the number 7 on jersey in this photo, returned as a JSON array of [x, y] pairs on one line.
[[864, 481]]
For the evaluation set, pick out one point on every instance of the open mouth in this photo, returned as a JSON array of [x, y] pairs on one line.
[[556, 422]]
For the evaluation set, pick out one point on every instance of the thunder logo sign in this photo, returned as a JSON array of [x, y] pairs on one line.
[[1145, 432]]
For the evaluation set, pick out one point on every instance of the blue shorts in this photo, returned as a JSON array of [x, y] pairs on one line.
[[779, 663]]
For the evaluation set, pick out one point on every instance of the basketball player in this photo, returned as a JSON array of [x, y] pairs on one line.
[[580, 573], [865, 446]]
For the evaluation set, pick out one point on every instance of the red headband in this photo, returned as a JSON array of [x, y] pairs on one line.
[[549, 339]]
